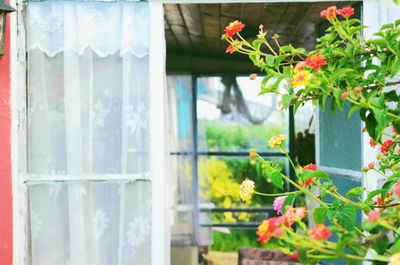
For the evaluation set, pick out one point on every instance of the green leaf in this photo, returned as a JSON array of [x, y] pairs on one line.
[[320, 175], [381, 245], [357, 29], [345, 216], [286, 100], [355, 192], [387, 26], [276, 178], [353, 109], [396, 245], [319, 215], [287, 48], [395, 68], [397, 22], [303, 255], [279, 59], [288, 201], [257, 44], [270, 60], [340, 72], [374, 193]]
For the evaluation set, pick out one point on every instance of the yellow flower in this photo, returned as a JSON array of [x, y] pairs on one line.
[[300, 78], [395, 259], [276, 140], [246, 189]]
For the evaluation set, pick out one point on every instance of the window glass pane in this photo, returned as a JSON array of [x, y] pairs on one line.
[[180, 104], [232, 117], [90, 223], [182, 199], [220, 178]]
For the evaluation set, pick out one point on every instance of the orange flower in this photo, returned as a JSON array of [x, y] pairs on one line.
[[312, 167], [320, 232], [292, 214], [386, 146], [346, 12], [372, 143], [329, 13], [315, 61], [233, 28], [270, 227]]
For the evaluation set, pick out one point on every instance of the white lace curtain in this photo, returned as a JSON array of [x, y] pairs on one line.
[[88, 102]]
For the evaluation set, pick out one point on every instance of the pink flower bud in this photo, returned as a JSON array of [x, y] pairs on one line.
[[373, 216]]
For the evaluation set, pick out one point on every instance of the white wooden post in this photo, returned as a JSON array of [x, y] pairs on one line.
[[160, 182]]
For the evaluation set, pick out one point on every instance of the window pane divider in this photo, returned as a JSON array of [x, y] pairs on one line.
[[43, 178]]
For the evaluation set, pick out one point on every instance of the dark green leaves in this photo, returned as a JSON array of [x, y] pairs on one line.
[[319, 215], [344, 215]]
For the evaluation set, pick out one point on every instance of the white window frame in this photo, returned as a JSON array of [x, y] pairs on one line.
[[160, 205]]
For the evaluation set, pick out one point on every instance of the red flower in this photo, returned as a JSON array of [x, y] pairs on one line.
[[394, 130], [306, 183], [233, 47], [315, 61], [386, 146], [312, 167], [344, 95], [346, 12], [233, 28], [320, 232], [372, 143], [329, 13], [294, 256]]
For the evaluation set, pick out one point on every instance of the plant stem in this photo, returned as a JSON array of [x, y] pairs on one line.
[[276, 194]]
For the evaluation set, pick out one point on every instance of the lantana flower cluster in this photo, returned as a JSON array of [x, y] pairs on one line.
[[343, 68]]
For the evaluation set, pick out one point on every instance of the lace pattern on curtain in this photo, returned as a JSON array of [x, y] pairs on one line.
[[106, 28]]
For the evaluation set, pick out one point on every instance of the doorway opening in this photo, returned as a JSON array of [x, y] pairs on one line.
[[216, 116]]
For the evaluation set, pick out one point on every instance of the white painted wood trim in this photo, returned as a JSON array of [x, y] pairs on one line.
[[36, 179], [160, 240], [18, 133], [356, 175]]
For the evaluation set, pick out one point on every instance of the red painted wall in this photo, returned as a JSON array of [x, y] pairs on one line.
[[5, 157]]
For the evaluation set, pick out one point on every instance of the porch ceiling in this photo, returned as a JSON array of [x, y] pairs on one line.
[[195, 29]]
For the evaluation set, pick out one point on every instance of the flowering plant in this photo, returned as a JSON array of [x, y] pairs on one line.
[[346, 68]]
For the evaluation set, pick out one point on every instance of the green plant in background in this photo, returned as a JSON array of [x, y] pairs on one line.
[[233, 137], [346, 68]]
